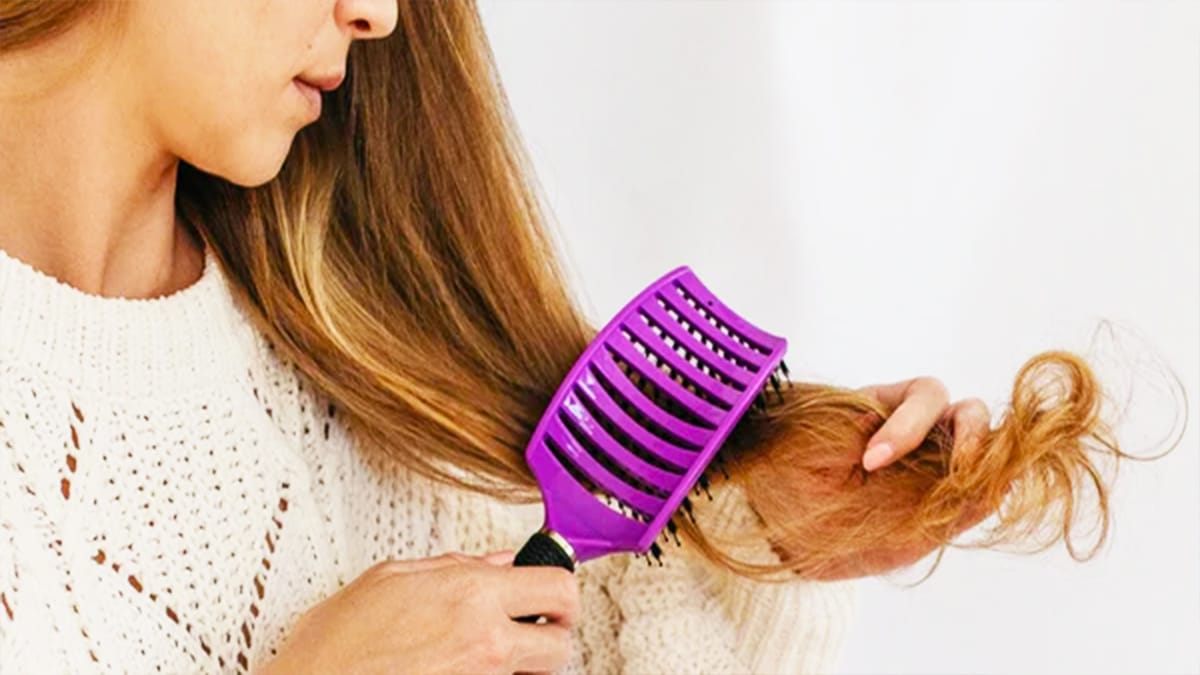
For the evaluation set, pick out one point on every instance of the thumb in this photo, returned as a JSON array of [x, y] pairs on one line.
[[501, 558]]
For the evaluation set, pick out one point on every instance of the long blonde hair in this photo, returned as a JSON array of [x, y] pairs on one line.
[[401, 260]]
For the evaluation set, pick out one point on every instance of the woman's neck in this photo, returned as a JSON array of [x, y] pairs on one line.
[[88, 187]]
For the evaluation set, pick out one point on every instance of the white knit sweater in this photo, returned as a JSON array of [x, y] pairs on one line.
[[173, 496]]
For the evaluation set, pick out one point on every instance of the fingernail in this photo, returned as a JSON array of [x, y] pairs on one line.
[[876, 455]]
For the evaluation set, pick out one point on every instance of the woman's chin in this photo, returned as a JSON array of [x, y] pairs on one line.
[[263, 169]]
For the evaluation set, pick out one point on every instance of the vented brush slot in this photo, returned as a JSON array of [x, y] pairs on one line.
[[633, 412], [613, 467], [655, 358], [625, 439], [692, 356], [601, 495], [718, 324], [661, 398], [700, 335]]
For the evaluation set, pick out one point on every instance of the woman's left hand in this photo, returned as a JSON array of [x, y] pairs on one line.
[[915, 406]]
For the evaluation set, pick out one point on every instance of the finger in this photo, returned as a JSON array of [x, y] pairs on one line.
[[921, 403], [890, 395], [551, 592], [971, 422], [540, 648], [500, 557]]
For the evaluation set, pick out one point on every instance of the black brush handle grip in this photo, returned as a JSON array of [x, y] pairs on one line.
[[541, 551]]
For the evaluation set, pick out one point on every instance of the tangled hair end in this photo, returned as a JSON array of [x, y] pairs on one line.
[[827, 518]]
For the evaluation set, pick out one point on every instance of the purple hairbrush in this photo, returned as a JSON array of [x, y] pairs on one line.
[[639, 418]]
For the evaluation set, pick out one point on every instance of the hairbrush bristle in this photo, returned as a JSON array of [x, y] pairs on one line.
[[778, 379], [674, 530]]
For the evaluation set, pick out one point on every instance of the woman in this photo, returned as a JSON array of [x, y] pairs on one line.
[[257, 369]]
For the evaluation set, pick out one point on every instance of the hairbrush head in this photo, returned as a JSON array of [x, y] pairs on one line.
[[639, 418]]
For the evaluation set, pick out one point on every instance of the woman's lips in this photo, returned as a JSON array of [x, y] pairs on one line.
[[311, 95]]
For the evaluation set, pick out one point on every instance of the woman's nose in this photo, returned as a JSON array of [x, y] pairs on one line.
[[368, 19]]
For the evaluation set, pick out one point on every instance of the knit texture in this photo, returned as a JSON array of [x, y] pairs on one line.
[[173, 496]]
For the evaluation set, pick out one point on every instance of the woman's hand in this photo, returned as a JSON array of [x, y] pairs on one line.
[[449, 614], [916, 405]]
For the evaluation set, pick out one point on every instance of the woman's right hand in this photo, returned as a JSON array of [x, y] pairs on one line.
[[449, 614]]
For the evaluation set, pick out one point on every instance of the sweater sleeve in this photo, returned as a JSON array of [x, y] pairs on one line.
[[688, 616], [685, 616]]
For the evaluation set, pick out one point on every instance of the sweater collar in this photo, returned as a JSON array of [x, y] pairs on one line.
[[120, 346]]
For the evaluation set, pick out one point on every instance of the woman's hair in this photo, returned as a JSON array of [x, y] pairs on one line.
[[402, 262]]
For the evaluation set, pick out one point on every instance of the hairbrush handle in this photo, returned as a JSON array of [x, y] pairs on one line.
[[546, 548]]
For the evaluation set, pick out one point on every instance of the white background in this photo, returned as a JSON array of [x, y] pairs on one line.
[[907, 189]]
